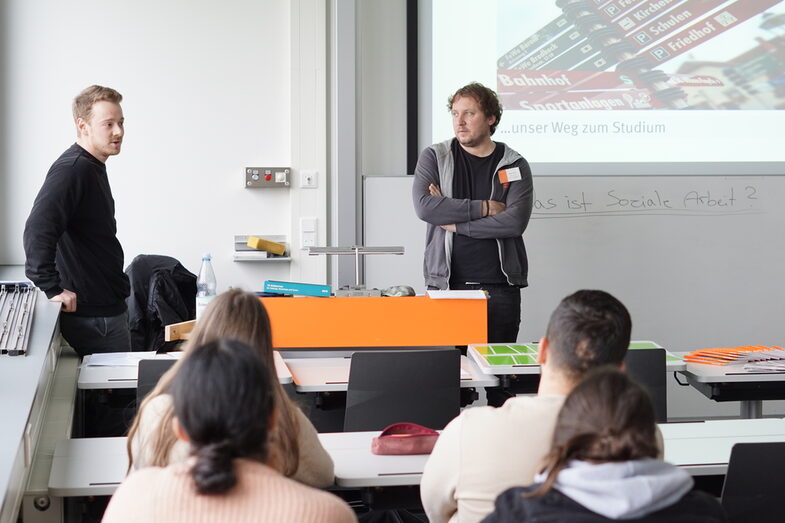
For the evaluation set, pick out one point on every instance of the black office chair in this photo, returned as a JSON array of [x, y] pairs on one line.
[[420, 386], [753, 483], [647, 367], [150, 371]]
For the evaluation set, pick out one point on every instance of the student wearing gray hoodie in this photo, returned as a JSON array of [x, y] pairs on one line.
[[603, 465]]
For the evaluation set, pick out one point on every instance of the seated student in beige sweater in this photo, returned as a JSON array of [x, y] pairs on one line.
[[294, 447], [224, 406], [485, 451]]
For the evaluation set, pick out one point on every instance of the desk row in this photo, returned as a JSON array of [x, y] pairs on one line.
[[96, 466], [309, 371]]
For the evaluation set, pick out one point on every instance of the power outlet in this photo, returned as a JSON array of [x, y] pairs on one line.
[[309, 179], [267, 177]]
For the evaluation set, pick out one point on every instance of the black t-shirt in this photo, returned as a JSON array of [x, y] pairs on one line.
[[474, 260]]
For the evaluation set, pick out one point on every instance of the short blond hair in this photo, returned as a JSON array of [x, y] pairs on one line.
[[84, 101]]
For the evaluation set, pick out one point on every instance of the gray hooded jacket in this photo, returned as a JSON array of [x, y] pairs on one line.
[[647, 490], [436, 166]]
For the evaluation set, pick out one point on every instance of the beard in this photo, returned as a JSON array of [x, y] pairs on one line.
[[470, 141], [110, 150]]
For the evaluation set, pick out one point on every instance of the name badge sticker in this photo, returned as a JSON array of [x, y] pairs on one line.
[[513, 174]]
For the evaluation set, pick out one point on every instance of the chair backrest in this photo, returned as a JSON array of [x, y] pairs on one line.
[[150, 371], [647, 367], [753, 483], [420, 386]]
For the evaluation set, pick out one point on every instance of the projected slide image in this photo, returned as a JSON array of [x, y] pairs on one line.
[[587, 84], [577, 55]]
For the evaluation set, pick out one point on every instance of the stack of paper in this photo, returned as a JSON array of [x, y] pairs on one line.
[[744, 354], [471, 294], [124, 359], [765, 366]]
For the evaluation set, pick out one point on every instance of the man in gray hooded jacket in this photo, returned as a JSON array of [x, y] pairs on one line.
[[476, 196]]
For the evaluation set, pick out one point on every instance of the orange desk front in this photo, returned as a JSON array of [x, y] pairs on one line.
[[413, 321]]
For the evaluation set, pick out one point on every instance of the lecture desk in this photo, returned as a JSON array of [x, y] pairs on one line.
[[515, 364], [123, 376], [95, 466], [733, 383], [521, 358], [329, 371]]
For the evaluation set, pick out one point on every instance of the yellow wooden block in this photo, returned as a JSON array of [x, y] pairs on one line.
[[261, 244]]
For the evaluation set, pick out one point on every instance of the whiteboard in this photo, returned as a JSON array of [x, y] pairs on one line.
[[699, 261]]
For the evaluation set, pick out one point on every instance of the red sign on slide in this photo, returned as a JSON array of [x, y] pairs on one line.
[[707, 29], [540, 80], [517, 80], [580, 101], [642, 31]]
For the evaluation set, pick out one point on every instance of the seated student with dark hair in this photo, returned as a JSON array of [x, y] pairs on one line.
[[224, 404], [603, 467], [485, 451]]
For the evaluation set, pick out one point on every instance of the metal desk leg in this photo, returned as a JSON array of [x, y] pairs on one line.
[[751, 409], [78, 428]]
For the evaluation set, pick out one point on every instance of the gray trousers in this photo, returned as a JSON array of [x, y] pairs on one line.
[[89, 334]]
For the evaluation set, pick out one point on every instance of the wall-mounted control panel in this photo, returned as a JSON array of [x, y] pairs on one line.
[[267, 177]]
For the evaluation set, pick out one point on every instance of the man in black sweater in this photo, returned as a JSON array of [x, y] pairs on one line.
[[70, 237]]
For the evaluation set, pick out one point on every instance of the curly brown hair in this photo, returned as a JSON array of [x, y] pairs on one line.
[[489, 102]]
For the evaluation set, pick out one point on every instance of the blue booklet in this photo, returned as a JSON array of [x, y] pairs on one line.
[[291, 287]]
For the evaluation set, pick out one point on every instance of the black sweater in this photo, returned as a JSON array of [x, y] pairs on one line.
[[70, 237]]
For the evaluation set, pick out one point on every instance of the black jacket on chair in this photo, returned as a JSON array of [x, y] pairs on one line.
[[162, 292]]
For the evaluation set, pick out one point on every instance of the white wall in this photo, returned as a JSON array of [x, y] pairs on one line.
[[207, 91], [381, 59]]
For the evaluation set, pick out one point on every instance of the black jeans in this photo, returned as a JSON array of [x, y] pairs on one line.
[[504, 309], [89, 334]]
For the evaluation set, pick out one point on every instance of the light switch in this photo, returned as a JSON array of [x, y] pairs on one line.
[[308, 232]]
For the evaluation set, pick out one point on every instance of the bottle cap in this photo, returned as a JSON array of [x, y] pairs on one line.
[[207, 256]]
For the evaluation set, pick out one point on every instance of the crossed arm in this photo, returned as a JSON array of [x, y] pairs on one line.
[[489, 207], [483, 219]]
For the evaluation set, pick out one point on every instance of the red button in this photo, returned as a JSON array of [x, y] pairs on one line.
[[268, 177]]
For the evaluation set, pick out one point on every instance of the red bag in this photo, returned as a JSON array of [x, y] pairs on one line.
[[404, 438]]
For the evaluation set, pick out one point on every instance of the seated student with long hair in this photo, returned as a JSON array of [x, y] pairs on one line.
[[294, 445], [603, 467], [224, 406]]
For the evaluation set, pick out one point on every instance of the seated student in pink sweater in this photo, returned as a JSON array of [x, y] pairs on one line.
[[224, 401]]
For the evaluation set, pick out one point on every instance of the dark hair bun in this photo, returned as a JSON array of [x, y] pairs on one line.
[[213, 471], [223, 400]]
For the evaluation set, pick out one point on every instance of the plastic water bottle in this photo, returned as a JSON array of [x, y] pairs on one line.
[[205, 285]]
